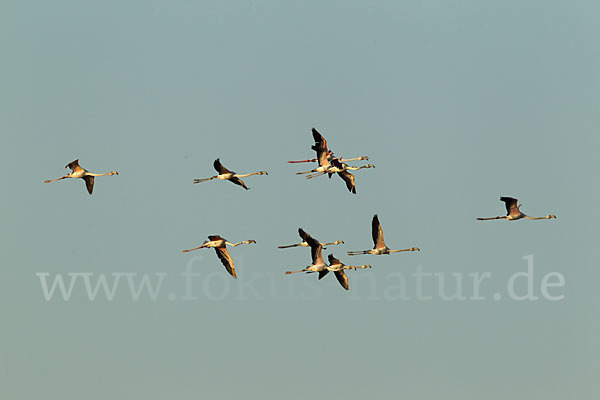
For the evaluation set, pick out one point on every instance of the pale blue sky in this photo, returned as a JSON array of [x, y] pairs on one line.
[[456, 102]]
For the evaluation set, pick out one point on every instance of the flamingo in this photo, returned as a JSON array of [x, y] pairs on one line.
[[341, 169], [220, 246], [325, 154], [337, 267], [225, 174], [329, 157], [317, 265], [304, 243], [338, 166], [380, 247], [78, 172], [513, 213]]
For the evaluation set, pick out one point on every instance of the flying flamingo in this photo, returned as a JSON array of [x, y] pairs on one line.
[[329, 157], [225, 174], [513, 212], [338, 166], [323, 154], [78, 172], [321, 142], [342, 170], [337, 267], [317, 265], [220, 246], [380, 247], [304, 243]]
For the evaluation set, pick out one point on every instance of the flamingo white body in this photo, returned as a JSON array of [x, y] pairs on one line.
[[379, 247], [78, 172], [513, 212]]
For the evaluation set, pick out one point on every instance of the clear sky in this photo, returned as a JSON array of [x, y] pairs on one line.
[[456, 103]]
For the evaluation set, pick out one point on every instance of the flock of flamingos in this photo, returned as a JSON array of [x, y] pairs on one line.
[[327, 164]]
